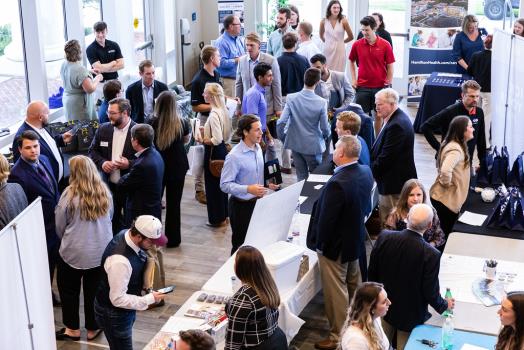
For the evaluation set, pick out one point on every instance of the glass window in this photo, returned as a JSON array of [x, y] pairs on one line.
[[91, 14], [139, 29], [490, 13], [13, 86], [53, 40]]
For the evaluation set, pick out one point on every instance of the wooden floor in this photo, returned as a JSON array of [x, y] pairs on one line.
[[204, 250]]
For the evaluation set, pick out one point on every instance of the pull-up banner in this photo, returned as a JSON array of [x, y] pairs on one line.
[[433, 27]]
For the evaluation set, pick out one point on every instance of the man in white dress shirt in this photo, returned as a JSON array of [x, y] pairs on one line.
[[120, 291], [306, 46]]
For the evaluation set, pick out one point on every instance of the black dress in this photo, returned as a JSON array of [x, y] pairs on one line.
[[176, 166]]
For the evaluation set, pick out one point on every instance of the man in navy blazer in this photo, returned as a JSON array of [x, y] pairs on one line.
[[112, 152], [143, 183], [408, 267], [337, 233], [142, 93], [37, 118], [392, 161], [34, 173]]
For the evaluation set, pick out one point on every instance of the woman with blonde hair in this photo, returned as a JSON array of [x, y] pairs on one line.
[[172, 132], [217, 133], [83, 222], [253, 310], [362, 328], [467, 42], [79, 84], [12, 196], [413, 192]]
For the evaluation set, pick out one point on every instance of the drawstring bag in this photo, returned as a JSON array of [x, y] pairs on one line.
[[500, 167], [509, 212], [516, 175]]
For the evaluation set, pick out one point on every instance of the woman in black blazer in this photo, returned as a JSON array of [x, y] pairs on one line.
[[171, 133]]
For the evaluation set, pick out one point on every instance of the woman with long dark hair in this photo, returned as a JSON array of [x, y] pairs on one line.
[[450, 190], [295, 16], [362, 328], [83, 222], [171, 133], [511, 313], [412, 193], [333, 28], [253, 310]]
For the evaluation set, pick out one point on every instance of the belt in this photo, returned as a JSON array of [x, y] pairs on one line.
[[254, 199], [229, 78]]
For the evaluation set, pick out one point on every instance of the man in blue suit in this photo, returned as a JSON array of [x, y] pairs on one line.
[[142, 94], [410, 277], [37, 118], [143, 183], [392, 161], [337, 233], [304, 126], [33, 171]]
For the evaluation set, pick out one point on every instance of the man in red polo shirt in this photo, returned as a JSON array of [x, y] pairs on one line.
[[375, 59]]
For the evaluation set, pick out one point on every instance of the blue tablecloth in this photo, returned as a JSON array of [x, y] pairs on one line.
[[438, 93], [459, 338]]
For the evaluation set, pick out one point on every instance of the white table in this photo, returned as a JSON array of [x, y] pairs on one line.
[[470, 315]]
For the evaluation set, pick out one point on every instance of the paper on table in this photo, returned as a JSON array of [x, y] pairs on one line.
[[301, 199], [472, 347], [176, 324], [318, 187], [318, 178], [472, 219], [231, 105]]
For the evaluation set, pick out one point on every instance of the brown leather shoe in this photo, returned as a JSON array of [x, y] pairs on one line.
[[285, 170], [326, 344], [200, 196]]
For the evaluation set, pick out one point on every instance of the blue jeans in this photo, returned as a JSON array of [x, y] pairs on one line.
[[117, 325], [305, 163]]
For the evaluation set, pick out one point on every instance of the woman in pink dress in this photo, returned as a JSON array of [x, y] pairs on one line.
[[332, 31]]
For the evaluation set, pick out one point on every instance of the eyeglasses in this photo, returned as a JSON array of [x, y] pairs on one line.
[[112, 113]]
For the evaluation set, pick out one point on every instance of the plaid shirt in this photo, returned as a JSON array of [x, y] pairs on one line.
[[250, 322]]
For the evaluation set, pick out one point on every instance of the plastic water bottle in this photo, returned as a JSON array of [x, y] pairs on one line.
[[447, 333], [448, 296], [295, 224]]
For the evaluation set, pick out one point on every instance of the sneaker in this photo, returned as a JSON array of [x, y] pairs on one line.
[[200, 196]]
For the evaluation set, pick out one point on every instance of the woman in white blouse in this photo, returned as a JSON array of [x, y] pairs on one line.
[[362, 328], [217, 134]]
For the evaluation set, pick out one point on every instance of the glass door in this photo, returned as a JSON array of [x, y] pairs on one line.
[[396, 15]]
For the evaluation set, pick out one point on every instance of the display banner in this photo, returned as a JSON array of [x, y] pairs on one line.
[[433, 27], [230, 7]]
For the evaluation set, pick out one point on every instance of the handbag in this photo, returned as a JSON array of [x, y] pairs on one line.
[[509, 212], [215, 165], [500, 167], [516, 175]]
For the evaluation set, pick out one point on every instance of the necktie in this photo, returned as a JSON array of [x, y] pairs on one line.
[[142, 255], [43, 175]]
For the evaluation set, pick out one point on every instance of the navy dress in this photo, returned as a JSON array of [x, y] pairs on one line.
[[216, 199]]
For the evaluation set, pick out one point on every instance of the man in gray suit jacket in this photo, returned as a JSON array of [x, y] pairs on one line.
[[334, 86], [304, 124]]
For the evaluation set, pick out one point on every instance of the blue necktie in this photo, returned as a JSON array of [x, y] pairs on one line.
[[43, 175]]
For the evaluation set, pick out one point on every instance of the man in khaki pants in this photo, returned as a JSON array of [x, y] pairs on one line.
[[337, 233]]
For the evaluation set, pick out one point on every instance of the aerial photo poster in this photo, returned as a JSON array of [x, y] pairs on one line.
[[433, 27]]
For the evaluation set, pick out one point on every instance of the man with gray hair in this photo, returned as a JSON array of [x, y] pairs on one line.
[[337, 232], [392, 161], [143, 183], [408, 267]]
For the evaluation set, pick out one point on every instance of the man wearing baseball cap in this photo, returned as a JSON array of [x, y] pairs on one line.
[[120, 291]]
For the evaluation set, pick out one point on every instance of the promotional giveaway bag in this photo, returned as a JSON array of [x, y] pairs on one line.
[[195, 157], [509, 212], [516, 175], [500, 167]]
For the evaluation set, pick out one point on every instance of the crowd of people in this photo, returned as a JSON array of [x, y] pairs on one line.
[[103, 222]]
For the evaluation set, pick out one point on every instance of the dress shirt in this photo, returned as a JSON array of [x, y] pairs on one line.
[[274, 42], [243, 166], [119, 272], [254, 102], [54, 148], [252, 65], [230, 47], [308, 49], [119, 140], [340, 167], [147, 93]]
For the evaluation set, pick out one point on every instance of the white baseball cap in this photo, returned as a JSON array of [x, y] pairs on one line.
[[151, 227]]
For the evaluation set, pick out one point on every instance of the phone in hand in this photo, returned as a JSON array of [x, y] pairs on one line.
[[166, 290]]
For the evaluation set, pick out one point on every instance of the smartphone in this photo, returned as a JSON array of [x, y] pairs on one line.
[[166, 290]]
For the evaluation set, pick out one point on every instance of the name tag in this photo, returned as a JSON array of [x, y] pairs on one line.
[[111, 51], [104, 144]]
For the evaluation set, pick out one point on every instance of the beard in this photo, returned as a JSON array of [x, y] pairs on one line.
[[117, 122]]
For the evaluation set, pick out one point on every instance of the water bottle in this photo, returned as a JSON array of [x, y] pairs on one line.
[[295, 225], [447, 333], [448, 296]]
